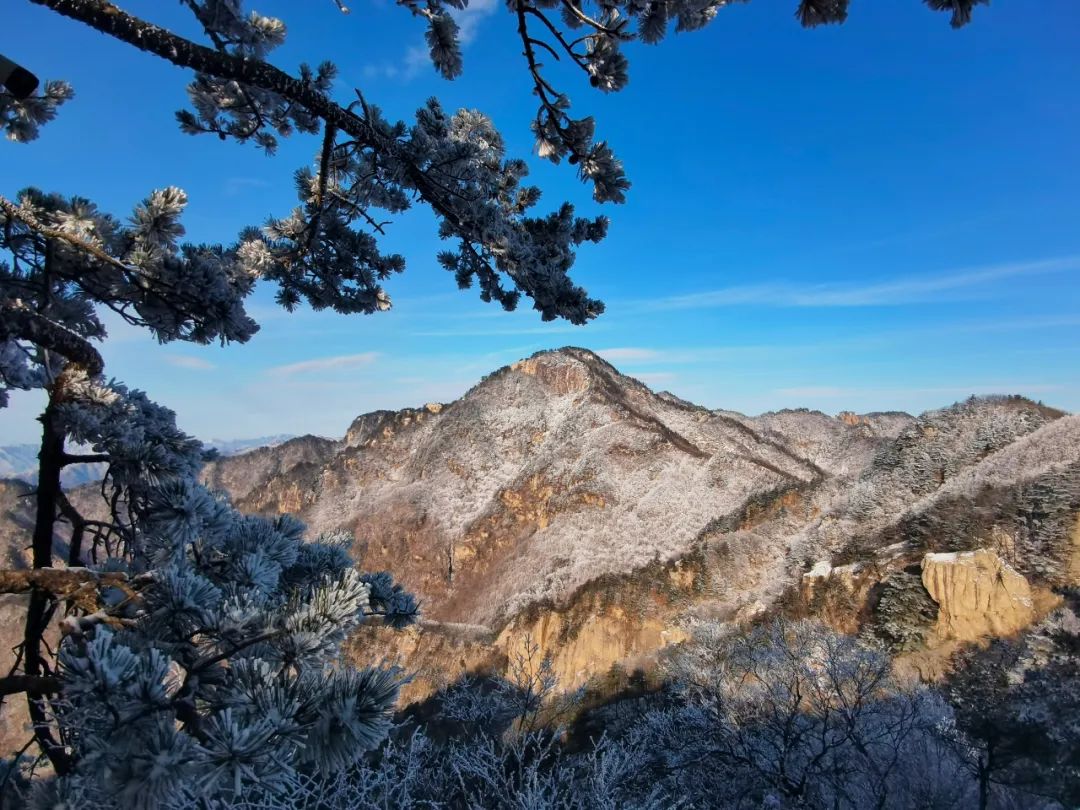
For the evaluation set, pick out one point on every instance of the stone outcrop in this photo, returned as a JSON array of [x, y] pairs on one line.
[[15, 729], [592, 646], [978, 595], [434, 655]]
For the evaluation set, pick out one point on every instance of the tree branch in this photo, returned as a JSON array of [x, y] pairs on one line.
[[14, 684], [63, 583], [24, 324], [32, 222], [107, 18], [94, 458]]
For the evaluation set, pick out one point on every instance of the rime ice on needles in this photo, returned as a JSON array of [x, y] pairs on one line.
[[20, 120], [215, 672], [224, 678], [326, 250], [65, 257]]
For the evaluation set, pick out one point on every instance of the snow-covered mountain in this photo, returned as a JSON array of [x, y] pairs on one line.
[[551, 472], [561, 499]]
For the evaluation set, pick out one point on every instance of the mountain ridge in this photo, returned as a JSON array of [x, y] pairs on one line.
[[555, 444]]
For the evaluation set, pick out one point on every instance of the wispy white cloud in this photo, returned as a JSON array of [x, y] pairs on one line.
[[189, 362], [410, 65], [656, 378], [815, 391], [836, 392], [525, 330], [238, 185], [416, 59], [955, 285], [324, 364], [470, 17]]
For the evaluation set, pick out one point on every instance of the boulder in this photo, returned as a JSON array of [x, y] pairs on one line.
[[978, 595]]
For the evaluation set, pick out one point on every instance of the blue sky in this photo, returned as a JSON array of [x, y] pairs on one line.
[[879, 215]]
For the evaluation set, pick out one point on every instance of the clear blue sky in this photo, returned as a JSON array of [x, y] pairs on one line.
[[879, 215]]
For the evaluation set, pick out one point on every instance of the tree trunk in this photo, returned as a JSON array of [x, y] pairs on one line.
[[984, 780], [39, 613]]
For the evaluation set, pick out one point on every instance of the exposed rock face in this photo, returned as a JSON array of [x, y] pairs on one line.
[[1074, 560], [843, 446], [15, 729], [584, 647], [978, 595], [434, 655], [16, 523], [277, 476]]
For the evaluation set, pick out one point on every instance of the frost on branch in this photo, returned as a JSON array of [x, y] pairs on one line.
[[139, 436], [230, 109], [223, 677], [21, 120], [326, 250], [66, 259], [217, 672]]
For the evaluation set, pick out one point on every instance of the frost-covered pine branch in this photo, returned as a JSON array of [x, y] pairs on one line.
[[326, 249], [225, 675]]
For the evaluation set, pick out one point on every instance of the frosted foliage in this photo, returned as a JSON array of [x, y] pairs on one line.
[[591, 36], [17, 371], [232, 110], [221, 674], [794, 715], [1028, 456], [941, 443], [1017, 707], [139, 436], [499, 757], [68, 259], [524, 772], [326, 249], [951, 453], [1020, 500], [21, 120]]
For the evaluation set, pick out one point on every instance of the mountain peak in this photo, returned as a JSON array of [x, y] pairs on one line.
[[569, 370], [564, 371]]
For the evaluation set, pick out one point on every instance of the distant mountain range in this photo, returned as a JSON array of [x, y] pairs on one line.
[[19, 461]]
